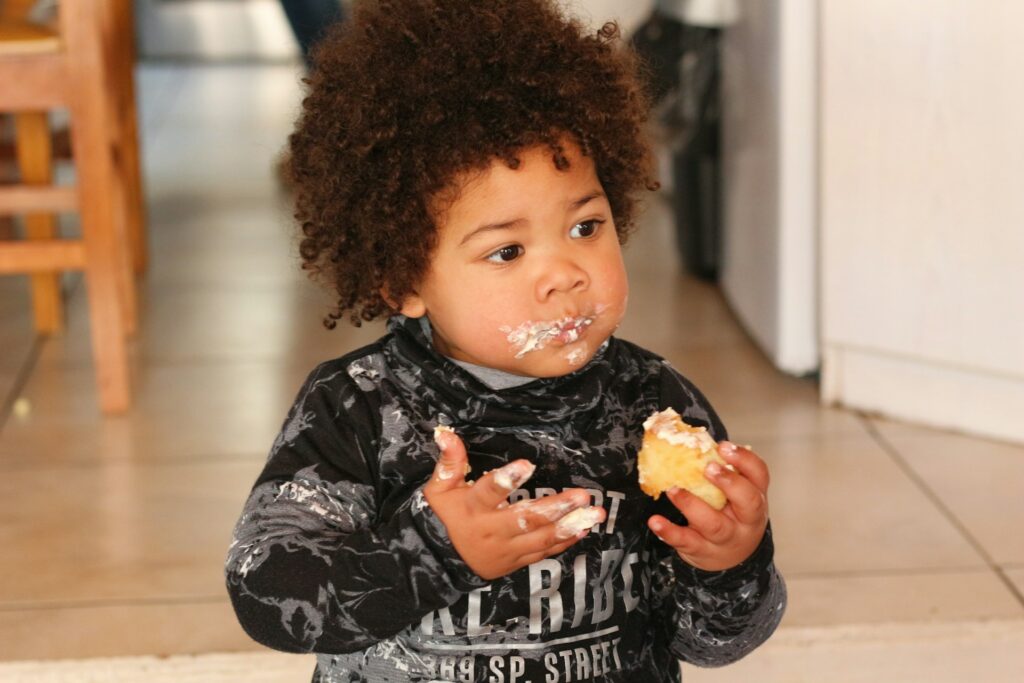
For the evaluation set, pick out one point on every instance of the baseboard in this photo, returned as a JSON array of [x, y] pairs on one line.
[[962, 399]]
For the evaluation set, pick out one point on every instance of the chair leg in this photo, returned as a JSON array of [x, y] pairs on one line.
[[109, 281], [106, 260], [121, 58], [35, 163]]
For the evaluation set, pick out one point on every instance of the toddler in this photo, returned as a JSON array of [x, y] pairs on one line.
[[459, 500]]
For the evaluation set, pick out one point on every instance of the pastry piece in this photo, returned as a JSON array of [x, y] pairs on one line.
[[675, 454]]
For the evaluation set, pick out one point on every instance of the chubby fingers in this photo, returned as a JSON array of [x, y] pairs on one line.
[[452, 462], [684, 539], [528, 515], [746, 463], [491, 490], [747, 503], [553, 538], [713, 525]]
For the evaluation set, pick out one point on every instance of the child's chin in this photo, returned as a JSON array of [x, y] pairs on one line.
[[556, 363]]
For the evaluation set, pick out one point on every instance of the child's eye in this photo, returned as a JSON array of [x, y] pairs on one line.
[[506, 254], [585, 229]]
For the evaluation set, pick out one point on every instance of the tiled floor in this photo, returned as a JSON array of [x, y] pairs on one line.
[[114, 530]]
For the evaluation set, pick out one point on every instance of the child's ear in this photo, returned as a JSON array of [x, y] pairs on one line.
[[412, 305]]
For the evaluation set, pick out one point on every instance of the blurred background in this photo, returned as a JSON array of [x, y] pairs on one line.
[[836, 257]]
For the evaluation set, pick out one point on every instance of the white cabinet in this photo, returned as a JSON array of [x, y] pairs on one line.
[[922, 211], [770, 182]]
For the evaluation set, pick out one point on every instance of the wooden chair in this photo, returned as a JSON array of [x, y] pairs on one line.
[[83, 64]]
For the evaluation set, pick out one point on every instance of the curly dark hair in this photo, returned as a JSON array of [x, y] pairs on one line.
[[410, 94]]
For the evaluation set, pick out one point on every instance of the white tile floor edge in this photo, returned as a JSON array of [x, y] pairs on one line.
[[990, 651]]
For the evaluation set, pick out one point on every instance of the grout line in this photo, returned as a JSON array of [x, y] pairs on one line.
[[941, 506], [882, 573], [30, 465], [90, 603], [20, 380]]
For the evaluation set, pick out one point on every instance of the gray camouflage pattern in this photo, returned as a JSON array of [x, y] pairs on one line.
[[337, 552]]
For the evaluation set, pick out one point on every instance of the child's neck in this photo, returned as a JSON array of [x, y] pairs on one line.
[[494, 379]]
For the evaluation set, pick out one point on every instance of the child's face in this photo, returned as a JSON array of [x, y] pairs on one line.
[[527, 276]]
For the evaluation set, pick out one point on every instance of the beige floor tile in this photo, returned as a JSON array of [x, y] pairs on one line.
[[977, 479], [220, 667], [181, 412], [912, 597], [121, 630], [991, 651], [841, 505], [119, 531], [17, 330], [271, 322], [1016, 576]]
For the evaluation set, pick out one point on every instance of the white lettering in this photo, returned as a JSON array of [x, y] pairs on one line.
[[448, 667], [613, 510], [495, 667], [516, 668], [447, 625], [567, 663], [615, 653], [595, 655], [579, 591], [538, 593], [582, 663], [604, 604], [598, 497], [550, 662], [473, 627], [466, 669], [630, 600]]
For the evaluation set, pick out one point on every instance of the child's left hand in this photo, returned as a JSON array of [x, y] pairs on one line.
[[716, 540]]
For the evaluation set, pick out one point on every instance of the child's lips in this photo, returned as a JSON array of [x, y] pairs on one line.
[[533, 336], [573, 331]]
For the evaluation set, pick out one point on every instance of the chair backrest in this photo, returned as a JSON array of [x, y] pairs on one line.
[[16, 9]]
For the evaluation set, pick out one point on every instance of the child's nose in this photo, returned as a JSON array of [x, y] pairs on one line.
[[561, 276]]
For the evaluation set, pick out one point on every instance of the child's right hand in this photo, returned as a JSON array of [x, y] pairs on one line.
[[493, 537]]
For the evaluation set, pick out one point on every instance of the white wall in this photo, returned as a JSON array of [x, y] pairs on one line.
[[923, 211], [769, 178], [257, 29]]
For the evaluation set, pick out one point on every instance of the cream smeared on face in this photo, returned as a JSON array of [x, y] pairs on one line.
[[534, 336], [576, 357]]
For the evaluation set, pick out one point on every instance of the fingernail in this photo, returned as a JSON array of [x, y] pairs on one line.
[[513, 474], [656, 526], [443, 435], [577, 522], [673, 490], [728, 449], [713, 469]]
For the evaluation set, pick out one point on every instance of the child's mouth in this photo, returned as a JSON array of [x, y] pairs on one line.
[[533, 336]]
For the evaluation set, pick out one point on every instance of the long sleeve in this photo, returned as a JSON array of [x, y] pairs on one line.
[[714, 618], [314, 565]]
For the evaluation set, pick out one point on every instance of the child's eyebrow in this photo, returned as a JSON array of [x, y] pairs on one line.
[[585, 199], [504, 225]]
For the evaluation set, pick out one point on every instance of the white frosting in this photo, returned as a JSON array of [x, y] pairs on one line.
[[533, 336], [445, 471], [576, 356], [577, 521], [666, 426], [513, 474], [439, 439]]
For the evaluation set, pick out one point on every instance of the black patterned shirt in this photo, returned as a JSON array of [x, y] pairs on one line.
[[338, 553]]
